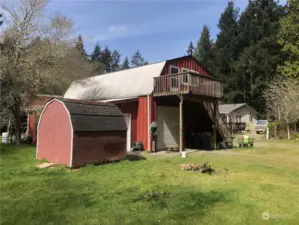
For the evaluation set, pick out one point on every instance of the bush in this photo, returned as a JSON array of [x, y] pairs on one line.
[[295, 137]]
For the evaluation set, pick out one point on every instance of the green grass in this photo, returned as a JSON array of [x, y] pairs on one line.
[[247, 183]]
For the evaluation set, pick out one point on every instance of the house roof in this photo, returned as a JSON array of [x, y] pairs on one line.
[[228, 108], [128, 83]]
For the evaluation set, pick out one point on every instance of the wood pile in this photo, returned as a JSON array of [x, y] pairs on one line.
[[203, 168]]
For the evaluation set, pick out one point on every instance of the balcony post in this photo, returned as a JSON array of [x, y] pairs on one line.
[[214, 124], [181, 123]]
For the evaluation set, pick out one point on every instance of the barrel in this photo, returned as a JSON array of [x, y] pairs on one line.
[[4, 137]]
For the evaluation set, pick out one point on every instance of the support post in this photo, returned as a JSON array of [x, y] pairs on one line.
[[181, 123], [214, 125]]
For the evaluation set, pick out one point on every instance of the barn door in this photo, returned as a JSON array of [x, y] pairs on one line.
[[128, 122], [168, 127]]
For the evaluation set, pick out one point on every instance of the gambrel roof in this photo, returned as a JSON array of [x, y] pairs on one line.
[[128, 83]]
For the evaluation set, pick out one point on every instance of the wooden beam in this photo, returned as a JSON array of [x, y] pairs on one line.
[[214, 124], [181, 123]]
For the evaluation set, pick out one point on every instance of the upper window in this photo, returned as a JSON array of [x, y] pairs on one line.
[[174, 69]]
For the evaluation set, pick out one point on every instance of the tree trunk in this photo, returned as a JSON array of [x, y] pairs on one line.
[[17, 117], [288, 129]]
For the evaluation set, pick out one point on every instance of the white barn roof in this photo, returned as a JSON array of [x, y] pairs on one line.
[[128, 83]]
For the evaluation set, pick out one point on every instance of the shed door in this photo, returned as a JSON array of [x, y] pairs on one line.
[[128, 122], [168, 127]]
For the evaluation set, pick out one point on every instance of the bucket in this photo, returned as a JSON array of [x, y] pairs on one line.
[[4, 137], [184, 154]]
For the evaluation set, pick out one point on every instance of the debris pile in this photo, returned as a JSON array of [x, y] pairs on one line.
[[203, 168]]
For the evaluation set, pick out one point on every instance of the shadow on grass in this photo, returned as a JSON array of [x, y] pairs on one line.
[[134, 157], [174, 205], [48, 205]]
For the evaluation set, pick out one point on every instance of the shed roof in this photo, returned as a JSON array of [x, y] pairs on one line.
[[128, 83], [95, 116], [228, 108]]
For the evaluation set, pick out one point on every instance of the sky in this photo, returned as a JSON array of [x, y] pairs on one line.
[[160, 29]]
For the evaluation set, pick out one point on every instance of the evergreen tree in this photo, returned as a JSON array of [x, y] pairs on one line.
[[126, 64], [259, 51], [137, 59], [288, 37], [106, 59], [80, 46], [1, 19], [115, 60], [225, 46], [226, 51], [190, 49], [204, 49], [96, 54], [96, 57]]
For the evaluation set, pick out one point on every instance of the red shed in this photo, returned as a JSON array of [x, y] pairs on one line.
[[77, 133]]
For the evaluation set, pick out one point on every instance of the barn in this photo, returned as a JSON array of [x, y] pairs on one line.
[[180, 95], [76, 133]]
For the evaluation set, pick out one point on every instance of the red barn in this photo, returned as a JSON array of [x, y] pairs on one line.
[[76, 133], [180, 95]]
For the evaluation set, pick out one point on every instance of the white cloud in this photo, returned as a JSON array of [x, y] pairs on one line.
[[118, 29]]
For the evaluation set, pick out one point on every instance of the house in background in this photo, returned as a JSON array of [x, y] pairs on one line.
[[179, 94], [238, 113], [238, 116]]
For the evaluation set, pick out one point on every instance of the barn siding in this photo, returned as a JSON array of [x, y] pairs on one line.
[[52, 145], [131, 108], [187, 63], [97, 147]]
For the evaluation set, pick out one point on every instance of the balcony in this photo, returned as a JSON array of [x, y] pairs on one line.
[[187, 83]]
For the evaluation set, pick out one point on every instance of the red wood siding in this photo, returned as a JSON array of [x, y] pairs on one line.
[[131, 108], [142, 121], [187, 63], [99, 146], [55, 134], [31, 127]]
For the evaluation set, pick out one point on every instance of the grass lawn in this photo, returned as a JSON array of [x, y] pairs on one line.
[[248, 183]]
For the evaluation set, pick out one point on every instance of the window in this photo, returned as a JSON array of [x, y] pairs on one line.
[[250, 118], [174, 69]]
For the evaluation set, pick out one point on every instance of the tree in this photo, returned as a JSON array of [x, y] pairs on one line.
[[1, 19], [96, 54], [80, 46], [137, 59], [31, 50], [204, 51], [96, 61], [282, 100], [259, 54], [106, 58], [190, 49], [115, 60], [126, 64], [288, 38]]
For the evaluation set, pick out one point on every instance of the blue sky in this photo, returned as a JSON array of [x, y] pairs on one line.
[[159, 29]]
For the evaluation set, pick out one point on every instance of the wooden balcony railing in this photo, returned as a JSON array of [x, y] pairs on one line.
[[185, 83]]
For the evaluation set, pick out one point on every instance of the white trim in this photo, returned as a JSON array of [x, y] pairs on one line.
[[27, 127], [72, 134], [129, 130], [148, 121]]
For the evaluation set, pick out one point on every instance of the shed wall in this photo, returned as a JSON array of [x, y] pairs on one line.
[[98, 147], [55, 134]]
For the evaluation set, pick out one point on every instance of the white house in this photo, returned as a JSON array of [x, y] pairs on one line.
[[238, 113]]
